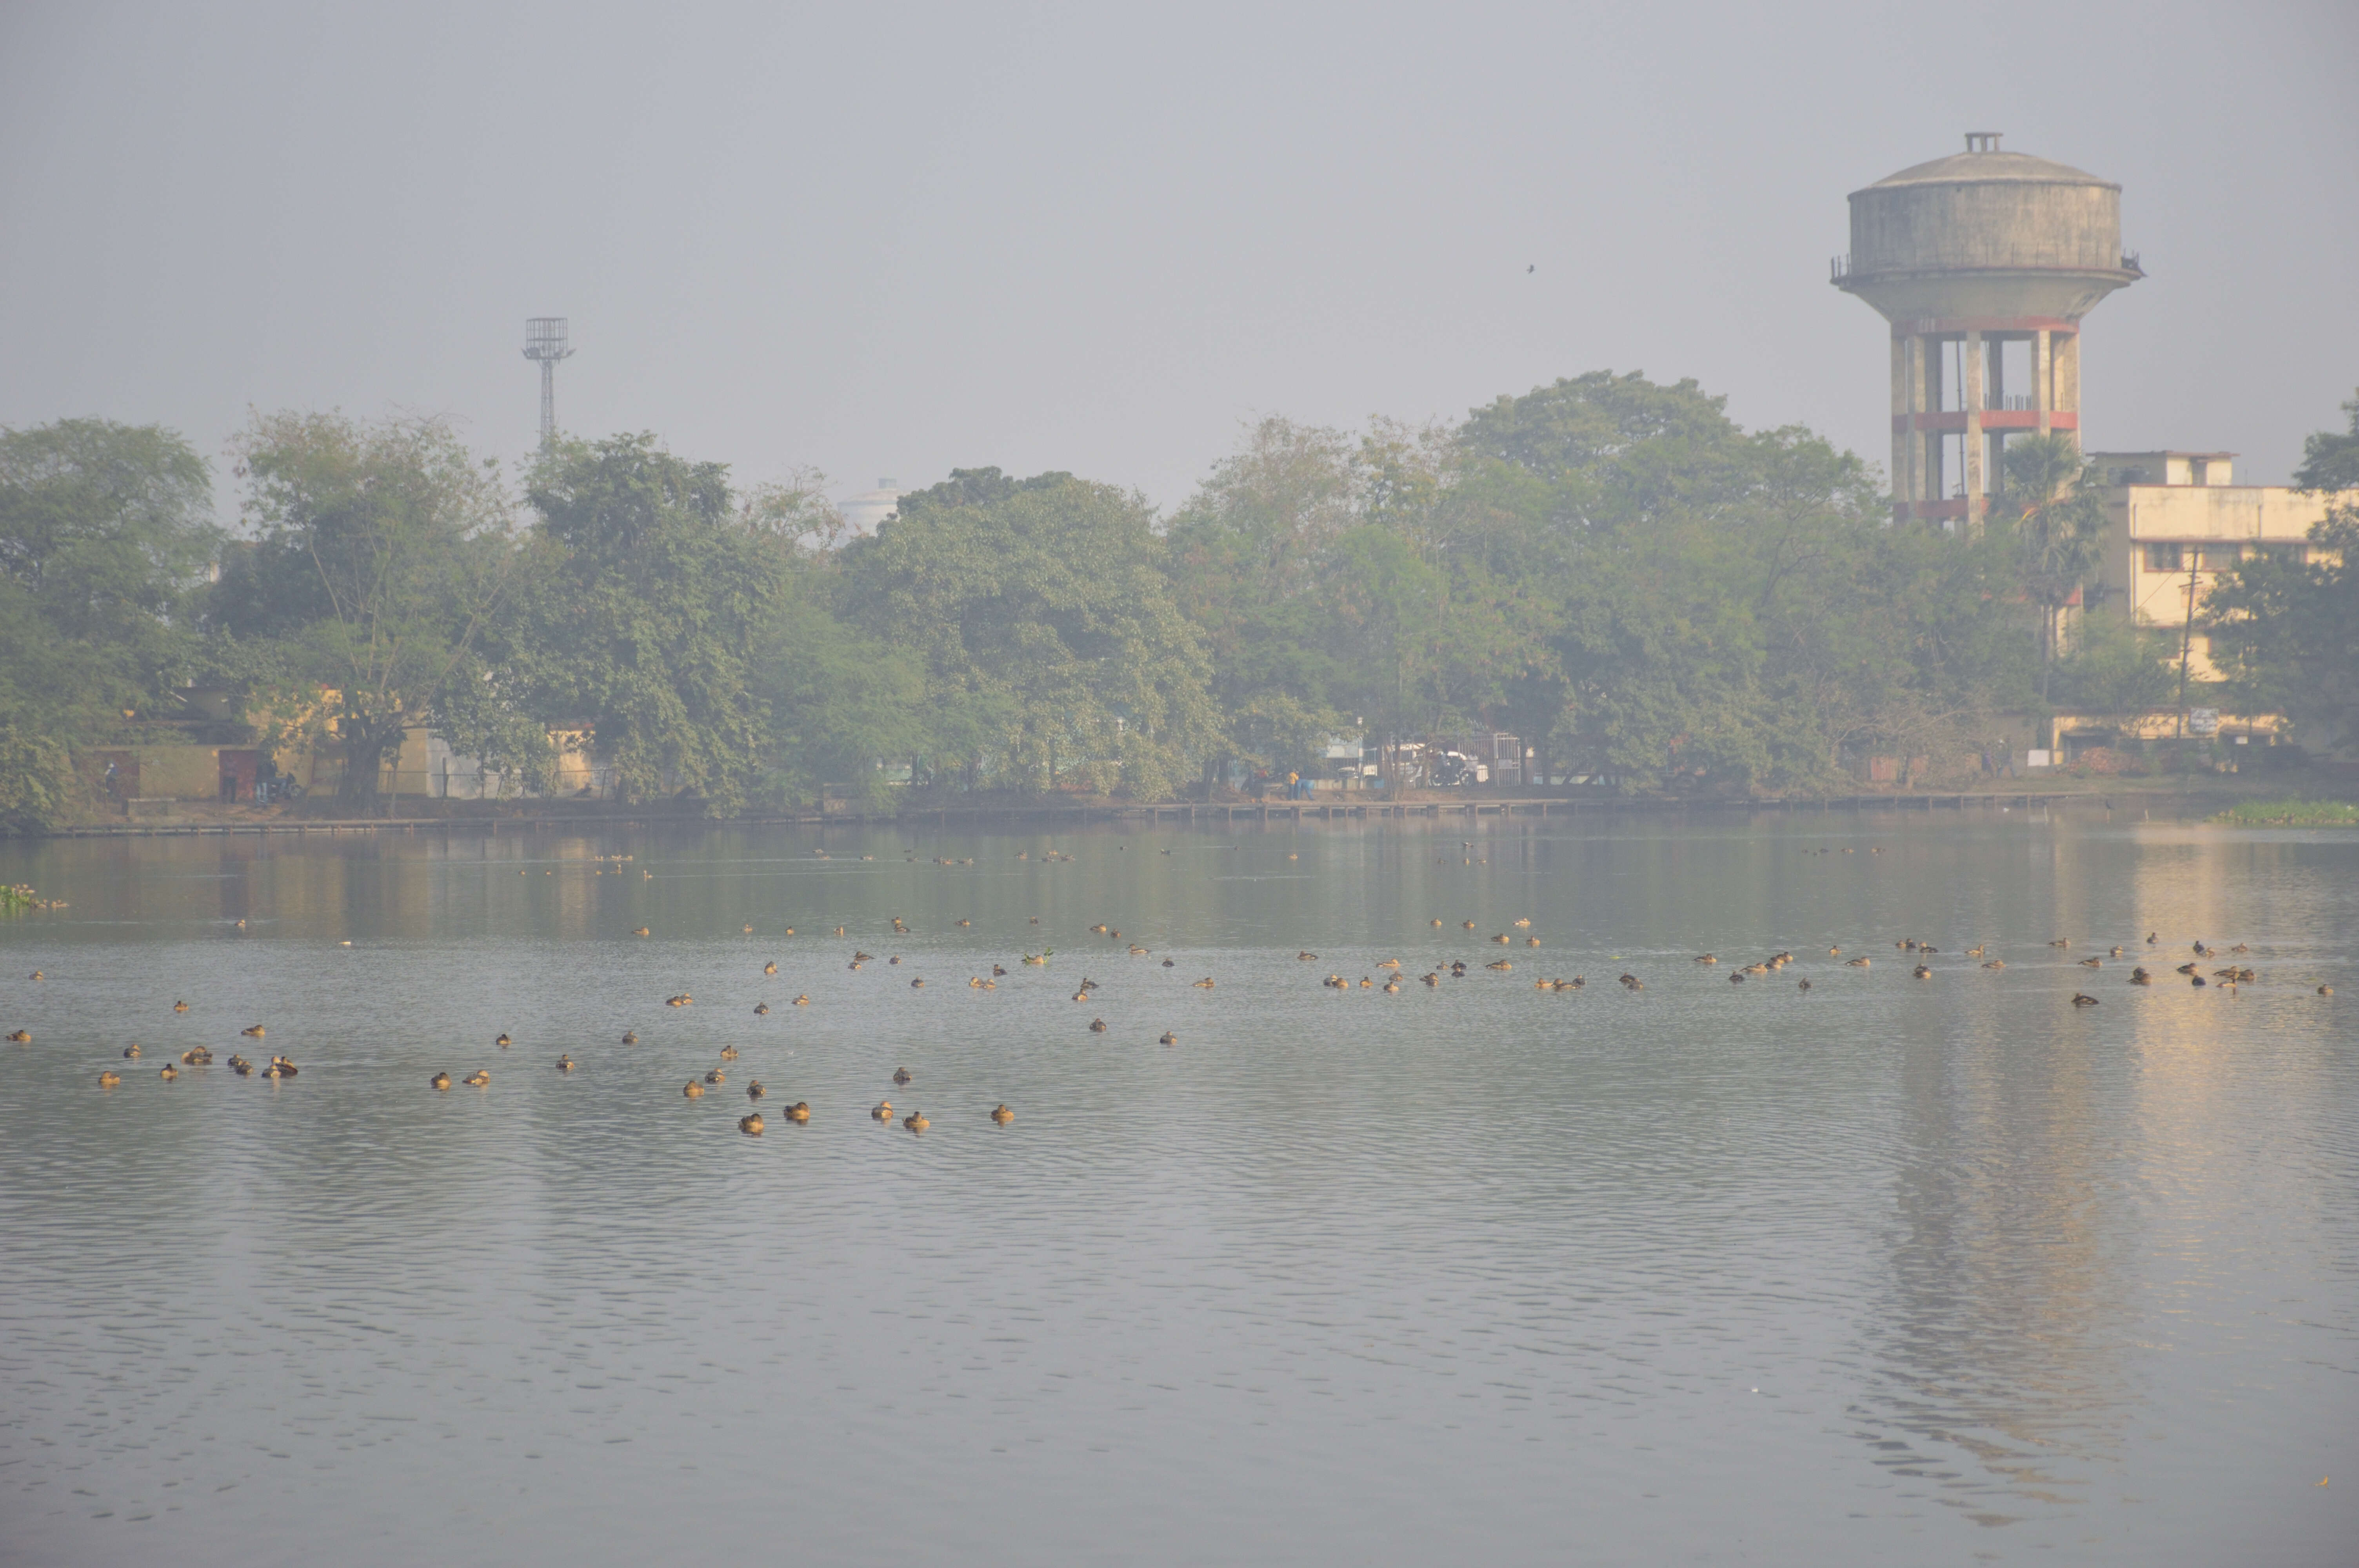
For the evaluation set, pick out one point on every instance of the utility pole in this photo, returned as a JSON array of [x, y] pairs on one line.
[[2187, 641]]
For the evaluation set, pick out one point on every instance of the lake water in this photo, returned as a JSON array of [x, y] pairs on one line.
[[1892, 1271]]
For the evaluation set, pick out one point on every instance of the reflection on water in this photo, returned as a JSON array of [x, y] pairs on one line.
[[1892, 1270]]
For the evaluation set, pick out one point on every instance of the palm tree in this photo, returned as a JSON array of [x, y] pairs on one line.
[[2060, 528]]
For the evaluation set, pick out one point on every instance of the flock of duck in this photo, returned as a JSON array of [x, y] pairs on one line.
[[2229, 975]]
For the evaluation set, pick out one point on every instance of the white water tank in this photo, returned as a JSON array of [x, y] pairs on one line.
[[862, 513]]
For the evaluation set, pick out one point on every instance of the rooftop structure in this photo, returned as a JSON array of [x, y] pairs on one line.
[[1984, 262]]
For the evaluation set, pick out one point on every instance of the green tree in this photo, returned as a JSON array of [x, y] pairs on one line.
[[2058, 529], [380, 557], [653, 590], [105, 532], [1046, 628]]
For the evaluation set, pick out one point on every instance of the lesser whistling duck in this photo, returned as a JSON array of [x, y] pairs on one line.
[[441, 1080], [1002, 1114], [883, 1110], [108, 1077], [750, 1124], [565, 1063], [754, 1090], [1169, 1039], [691, 1090], [169, 1073]]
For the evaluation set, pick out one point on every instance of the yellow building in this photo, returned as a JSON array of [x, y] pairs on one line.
[[2177, 518]]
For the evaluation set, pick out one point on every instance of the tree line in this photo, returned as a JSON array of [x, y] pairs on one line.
[[1608, 566]]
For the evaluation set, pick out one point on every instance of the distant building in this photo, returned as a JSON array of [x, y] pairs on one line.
[[2176, 518], [864, 512]]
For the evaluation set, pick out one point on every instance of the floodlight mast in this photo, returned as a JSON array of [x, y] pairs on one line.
[[546, 342]]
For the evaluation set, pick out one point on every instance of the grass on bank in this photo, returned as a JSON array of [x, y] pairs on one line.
[[2292, 813]]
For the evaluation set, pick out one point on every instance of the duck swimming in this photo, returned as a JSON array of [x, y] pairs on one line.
[[630, 1038], [799, 1112], [883, 1112], [131, 1052], [476, 1079], [915, 1122], [2080, 1000], [565, 1063], [803, 1001], [254, 1031], [691, 1090], [503, 1042], [771, 968], [754, 1090], [180, 1007], [441, 1080], [903, 1075], [761, 1009], [729, 1053], [108, 1077], [169, 1073], [1169, 1039], [1002, 1114], [751, 1124], [716, 1077]]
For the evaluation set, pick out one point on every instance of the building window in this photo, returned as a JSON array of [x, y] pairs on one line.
[[2165, 559], [2286, 554], [2219, 558]]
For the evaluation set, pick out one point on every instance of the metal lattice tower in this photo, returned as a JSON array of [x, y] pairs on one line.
[[545, 343]]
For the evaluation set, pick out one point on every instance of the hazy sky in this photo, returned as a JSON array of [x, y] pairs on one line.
[[892, 240]]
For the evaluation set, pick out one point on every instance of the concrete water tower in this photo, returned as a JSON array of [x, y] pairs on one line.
[[1985, 263]]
